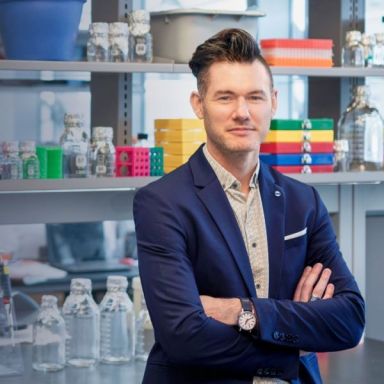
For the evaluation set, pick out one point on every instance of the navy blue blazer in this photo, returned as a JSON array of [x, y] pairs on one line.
[[189, 244]]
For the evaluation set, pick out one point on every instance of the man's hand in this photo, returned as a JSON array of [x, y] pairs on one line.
[[314, 283], [224, 310]]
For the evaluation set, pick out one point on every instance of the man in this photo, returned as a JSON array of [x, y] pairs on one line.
[[239, 264]]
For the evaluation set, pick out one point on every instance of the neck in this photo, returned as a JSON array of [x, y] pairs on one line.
[[242, 165]]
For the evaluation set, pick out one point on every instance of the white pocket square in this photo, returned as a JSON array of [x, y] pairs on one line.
[[296, 234]]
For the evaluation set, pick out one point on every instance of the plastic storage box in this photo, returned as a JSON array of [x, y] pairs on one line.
[[177, 33], [40, 29]]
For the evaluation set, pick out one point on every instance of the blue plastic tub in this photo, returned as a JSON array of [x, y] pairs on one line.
[[40, 29]]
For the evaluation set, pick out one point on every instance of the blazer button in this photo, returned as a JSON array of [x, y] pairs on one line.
[[276, 335], [277, 193]]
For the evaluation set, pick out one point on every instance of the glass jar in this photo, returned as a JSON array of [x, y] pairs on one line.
[[103, 152], [363, 127], [118, 42], [75, 145], [31, 167], [140, 39], [378, 50], [98, 42], [82, 322], [353, 50], [368, 42], [48, 337], [12, 165], [117, 323]]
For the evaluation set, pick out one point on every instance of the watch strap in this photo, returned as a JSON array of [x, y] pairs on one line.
[[246, 305]]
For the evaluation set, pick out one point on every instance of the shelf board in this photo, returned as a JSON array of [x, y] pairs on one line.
[[164, 66], [74, 185], [340, 178]]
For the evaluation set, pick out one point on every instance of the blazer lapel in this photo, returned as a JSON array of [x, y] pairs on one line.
[[213, 197], [272, 196]]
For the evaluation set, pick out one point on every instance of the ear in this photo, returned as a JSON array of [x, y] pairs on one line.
[[197, 104], [274, 102]]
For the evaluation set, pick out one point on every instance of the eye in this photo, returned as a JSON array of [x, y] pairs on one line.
[[224, 98]]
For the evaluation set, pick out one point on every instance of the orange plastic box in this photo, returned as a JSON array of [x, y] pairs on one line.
[[298, 52]]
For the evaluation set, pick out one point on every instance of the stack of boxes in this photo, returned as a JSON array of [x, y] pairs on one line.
[[180, 138], [299, 146], [298, 52]]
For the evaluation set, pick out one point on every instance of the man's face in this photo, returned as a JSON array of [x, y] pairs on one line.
[[237, 107]]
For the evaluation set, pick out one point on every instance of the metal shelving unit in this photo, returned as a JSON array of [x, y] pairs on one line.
[[164, 66]]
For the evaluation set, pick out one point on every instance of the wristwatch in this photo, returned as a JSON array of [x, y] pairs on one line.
[[247, 319]]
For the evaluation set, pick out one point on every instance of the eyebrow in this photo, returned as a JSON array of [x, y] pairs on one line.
[[228, 92]]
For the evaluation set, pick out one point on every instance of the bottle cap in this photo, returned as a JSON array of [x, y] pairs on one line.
[[353, 36], [80, 284], [118, 28], [48, 300], [98, 28], [27, 146], [117, 281], [142, 136], [99, 133]]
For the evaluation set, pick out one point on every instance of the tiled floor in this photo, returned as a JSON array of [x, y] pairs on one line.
[[361, 365]]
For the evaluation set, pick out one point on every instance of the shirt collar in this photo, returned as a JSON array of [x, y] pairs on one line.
[[226, 179]]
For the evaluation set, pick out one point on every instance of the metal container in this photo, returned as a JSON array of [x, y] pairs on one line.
[[177, 33]]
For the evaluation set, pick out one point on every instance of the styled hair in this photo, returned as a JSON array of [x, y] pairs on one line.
[[229, 45]]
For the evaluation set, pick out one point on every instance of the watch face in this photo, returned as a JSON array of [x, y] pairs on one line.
[[247, 321]]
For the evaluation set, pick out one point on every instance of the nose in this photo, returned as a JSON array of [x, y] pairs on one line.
[[241, 111]]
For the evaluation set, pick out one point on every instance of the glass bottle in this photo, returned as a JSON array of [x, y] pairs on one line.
[[378, 50], [12, 165], [102, 152], [82, 322], [98, 42], [75, 144], [362, 126], [118, 42], [142, 140], [145, 337], [353, 50], [31, 166], [368, 42], [140, 38], [117, 320], [48, 337]]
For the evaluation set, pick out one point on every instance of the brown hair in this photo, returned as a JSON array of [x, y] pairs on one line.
[[230, 45]]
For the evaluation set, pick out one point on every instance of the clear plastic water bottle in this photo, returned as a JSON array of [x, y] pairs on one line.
[[142, 140], [82, 321], [31, 167], [12, 165], [117, 322], [48, 337], [368, 42], [353, 50], [145, 337], [102, 152], [98, 42], [363, 127], [378, 50]]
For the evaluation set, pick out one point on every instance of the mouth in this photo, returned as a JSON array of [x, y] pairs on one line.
[[241, 130]]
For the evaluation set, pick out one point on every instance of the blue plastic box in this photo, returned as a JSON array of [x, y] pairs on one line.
[[40, 29]]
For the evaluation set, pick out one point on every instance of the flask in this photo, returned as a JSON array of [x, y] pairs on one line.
[[31, 167], [74, 142], [82, 322], [118, 42], [368, 42], [353, 50], [117, 323], [140, 37], [12, 165], [98, 42], [362, 126], [378, 50], [102, 152], [48, 337], [145, 337]]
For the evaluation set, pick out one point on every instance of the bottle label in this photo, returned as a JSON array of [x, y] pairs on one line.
[[101, 169], [141, 49], [81, 161]]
